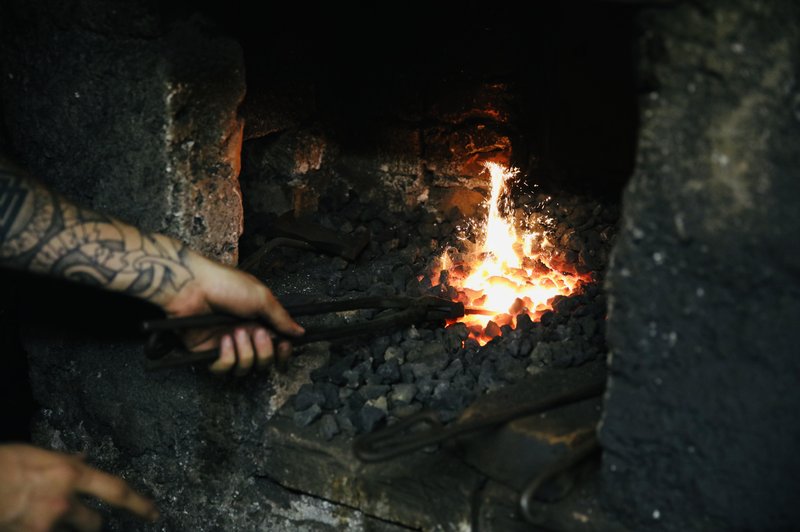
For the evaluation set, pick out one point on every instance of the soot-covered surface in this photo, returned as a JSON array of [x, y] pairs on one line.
[[702, 422]]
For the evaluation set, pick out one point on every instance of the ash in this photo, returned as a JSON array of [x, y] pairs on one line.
[[368, 382]]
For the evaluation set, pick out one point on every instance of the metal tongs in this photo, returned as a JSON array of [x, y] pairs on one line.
[[424, 428], [163, 345]]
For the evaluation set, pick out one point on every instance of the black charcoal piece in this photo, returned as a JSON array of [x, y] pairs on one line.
[[352, 378], [413, 288], [510, 369], [474, 369], [344, 419], [588, 326], [394, 352], [492, 330], [412, 333], [465, 382], [389, 371], [344, 393], [490, 351], [457, 330], [328, 427], [306, 397], [381, 403], [334, 372], [402, 394], [590, 258], [421, 370], [455, 368], [512, 345], [373, 378], [368, 418], [331, 394], [401, 276], [525, 347], [373, 391], [407, 374], [305, 417], [428, 334], [454, 337], [425, 389], [451, 293], [355, 401], [487, 376], [433, 354], [571, 256], [471, 344], [364, 367], [409, 346], [425, 282], [542, 354]]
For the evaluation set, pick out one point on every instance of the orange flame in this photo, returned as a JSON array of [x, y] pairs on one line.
[[510, 273]]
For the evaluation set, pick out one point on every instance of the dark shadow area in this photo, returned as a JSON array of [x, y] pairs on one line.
[[67, 311], [16, 401], [568, 67]]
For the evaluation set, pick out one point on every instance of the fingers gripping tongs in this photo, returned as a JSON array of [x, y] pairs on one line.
[[163, 346]]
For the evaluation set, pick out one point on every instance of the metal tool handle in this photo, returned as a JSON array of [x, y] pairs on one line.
[[175, 357], [400, 438], [449, 309], [582, 452]]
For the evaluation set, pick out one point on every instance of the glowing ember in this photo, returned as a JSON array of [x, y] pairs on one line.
[[509, 274]]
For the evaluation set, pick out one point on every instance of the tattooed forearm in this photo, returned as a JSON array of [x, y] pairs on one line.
[[42, 232]]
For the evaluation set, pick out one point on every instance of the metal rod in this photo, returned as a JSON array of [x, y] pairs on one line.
[[577, 455], [397, 440], [451, 308]]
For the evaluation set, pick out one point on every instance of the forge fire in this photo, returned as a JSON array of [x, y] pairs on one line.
[[513, 271]]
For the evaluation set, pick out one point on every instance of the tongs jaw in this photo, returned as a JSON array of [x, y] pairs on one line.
[[162, 348]]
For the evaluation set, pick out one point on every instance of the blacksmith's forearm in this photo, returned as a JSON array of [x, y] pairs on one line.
[[42, 232]]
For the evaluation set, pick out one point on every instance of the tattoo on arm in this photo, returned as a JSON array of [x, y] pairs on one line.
[[44, 233]]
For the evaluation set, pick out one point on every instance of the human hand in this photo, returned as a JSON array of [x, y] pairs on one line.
[[39, 490], [218, 288]]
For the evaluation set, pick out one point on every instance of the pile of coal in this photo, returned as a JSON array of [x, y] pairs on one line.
[[373, 381]]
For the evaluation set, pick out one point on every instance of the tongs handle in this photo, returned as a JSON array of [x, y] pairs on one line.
[[414, 310], [449, 309]]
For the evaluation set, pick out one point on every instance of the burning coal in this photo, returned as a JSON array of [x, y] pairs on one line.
[[512, 271]]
